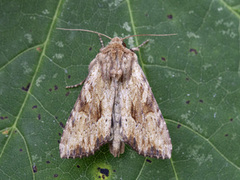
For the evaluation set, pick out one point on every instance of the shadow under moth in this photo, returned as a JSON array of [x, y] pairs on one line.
[[116, 106]]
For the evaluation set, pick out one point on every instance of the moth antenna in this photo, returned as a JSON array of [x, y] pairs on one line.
[[86, 30], [149, 35]]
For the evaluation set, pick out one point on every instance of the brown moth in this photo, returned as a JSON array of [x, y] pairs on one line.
[[116, 106]]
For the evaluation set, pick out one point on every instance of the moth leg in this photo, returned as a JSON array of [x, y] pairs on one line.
[[137, 48], [76, 85], [101, 41]]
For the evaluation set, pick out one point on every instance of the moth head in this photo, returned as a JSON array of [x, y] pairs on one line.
[[117, 40]]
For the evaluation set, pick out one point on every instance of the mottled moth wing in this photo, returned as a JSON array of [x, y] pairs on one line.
[[142, 125], [89, 124], [116, 105]]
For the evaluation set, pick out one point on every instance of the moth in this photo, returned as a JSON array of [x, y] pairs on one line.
[[116, 106]]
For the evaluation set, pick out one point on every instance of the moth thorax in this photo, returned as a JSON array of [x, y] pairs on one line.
[[116, 73]]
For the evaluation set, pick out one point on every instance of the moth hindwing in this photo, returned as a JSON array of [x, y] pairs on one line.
[[116, 106]]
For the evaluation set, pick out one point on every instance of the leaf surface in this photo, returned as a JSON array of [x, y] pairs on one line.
[[195, 78]]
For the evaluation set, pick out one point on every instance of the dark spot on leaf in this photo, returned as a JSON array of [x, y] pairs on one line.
[[187, 102], [34, 168], [231, 119], [59, 134], [226, 135], [67, 93], [26, 88], [69, 76], [179, 125], [50, 89], [47, 162], [99, 177], [201, 101], [187, 78], [20, 150], [55, 87], [90, 49], [78, 166], [147, 14], [39, 116], [34, 107], [15, 131], [55, 175], [193, 50], [103, 171], [148, 160], [62, 125], [163, 58], [170, 16], [3, 117], [114, 170]]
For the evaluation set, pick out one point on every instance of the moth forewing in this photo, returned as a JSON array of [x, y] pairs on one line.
[[116, 106]]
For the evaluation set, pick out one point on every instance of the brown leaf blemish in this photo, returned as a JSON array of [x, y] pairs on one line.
[[67, 93], [39, 49]]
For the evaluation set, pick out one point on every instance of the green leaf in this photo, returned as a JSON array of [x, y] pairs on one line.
[[195, 78]]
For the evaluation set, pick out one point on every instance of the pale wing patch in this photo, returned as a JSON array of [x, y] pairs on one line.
[[142, 125], [89, 123]]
